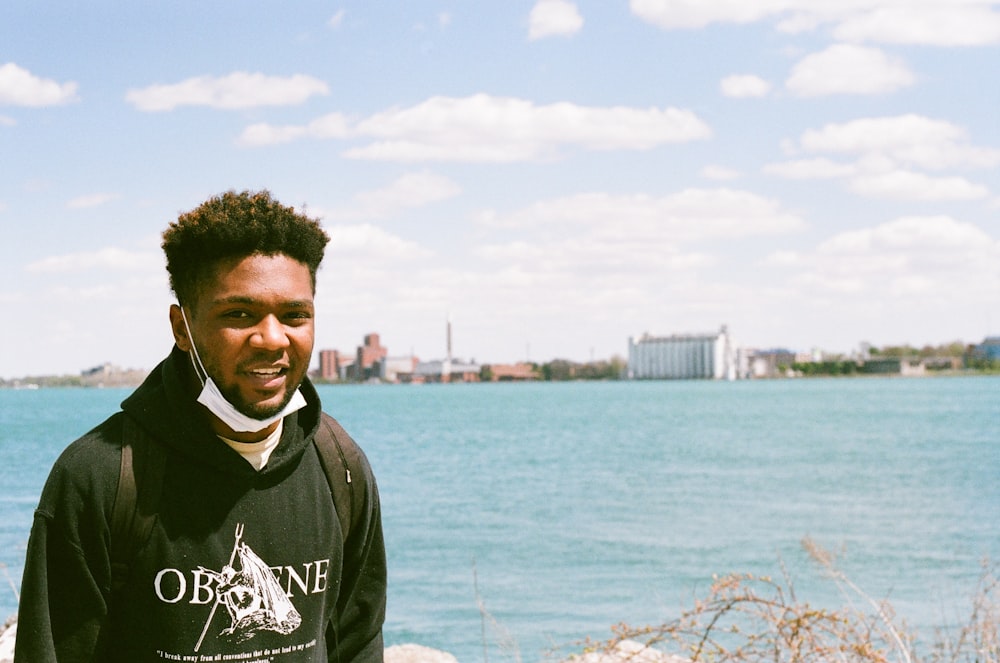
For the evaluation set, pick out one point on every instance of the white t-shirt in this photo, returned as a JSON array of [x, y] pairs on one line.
[[257, 453]]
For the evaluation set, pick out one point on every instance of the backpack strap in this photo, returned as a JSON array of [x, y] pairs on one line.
[[140, 483], [341, 460]]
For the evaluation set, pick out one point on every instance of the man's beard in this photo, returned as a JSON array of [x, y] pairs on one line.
[[255, 410]]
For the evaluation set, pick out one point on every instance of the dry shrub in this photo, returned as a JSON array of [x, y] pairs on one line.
[[747, 618]]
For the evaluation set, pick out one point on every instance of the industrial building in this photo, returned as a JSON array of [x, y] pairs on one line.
[[682, 357], [448, 369], [364, 365], [371, 362], [988, 350]]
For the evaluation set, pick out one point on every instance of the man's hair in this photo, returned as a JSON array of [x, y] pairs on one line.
[[234, 226]]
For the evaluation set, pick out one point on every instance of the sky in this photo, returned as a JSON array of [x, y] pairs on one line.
[[553, 176]]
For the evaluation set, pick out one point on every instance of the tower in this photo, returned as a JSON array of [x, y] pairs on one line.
[[446, 366], [449, 338]]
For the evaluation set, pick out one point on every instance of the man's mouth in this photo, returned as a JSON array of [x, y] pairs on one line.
[[265, 377], [266, 372]]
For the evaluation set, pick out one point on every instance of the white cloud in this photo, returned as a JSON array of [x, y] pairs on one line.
[[628, 253], [7, 121], [262, 133], [918, 258], [720, 173], [235, 91], [811, 169], [409, 191], [483, 128], [554, 18], [337, 19], [681, 14], [370, 245], [848, 69], [906, 139], [589, 262], [689, 215], [92, 200], [329, 126], [741, 86], [799, 23], [930, 22], [76, 294], [928, 234], [514, 252], [907, 185], [886, 151], [942, 24], [107, 258], [784, 257], [19, 87]]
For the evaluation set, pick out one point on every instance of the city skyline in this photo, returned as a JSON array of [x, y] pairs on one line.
[[556, 176], [349, 352]]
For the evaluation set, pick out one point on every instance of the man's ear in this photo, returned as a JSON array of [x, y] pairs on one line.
[[177, 326]]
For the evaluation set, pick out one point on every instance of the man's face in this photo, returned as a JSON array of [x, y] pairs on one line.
[[253, 329]]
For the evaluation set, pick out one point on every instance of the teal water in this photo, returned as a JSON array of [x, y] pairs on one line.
[[575, 506]]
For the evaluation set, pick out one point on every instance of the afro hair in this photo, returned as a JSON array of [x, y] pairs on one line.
[[236, 225]]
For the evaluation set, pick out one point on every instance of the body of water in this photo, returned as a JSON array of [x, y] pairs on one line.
[[562, 509]]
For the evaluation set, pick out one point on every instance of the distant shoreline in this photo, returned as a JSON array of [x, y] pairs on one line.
[[75, 382]]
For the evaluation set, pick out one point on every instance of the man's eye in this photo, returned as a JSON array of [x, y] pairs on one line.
[[236, 315]]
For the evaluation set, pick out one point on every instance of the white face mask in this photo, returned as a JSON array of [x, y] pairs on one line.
[[217, 404]]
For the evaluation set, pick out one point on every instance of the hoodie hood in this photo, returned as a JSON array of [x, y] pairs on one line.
[[165, 406]]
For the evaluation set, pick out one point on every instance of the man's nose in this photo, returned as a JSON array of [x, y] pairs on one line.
[[270, 334]]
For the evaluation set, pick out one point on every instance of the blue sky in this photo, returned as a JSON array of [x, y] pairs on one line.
[[556, 176]]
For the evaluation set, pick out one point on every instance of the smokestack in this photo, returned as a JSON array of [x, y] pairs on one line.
[[449, 338]]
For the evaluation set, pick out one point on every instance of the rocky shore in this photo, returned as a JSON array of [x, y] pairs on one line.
[[624, 652], [7, 640]]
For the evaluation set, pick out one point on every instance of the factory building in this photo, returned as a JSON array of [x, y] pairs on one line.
[[364, 365], [448, 369], [682, 357]]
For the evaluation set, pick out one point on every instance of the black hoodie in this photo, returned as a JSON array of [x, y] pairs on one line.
[[241, 565]]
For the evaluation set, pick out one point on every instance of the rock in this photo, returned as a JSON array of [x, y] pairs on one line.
[[7, 641], [627, 651], [415, 654]]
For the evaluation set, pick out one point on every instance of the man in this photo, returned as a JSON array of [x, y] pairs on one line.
[[245, 560]]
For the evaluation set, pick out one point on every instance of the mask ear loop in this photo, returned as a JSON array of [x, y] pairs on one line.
[[199, 367]]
